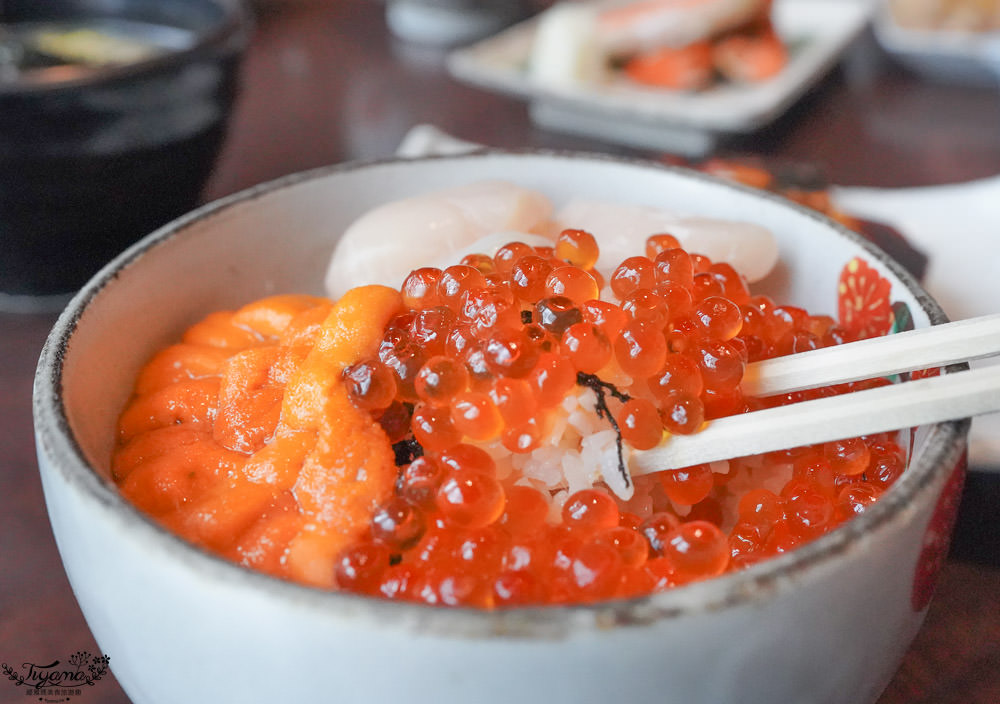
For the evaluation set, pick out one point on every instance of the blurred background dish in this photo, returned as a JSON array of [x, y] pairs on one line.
[[111, 116], [621, 111], [968, 16], [450, 22], [944, 40]]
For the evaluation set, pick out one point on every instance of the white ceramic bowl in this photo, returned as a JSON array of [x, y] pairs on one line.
[[826, 623]]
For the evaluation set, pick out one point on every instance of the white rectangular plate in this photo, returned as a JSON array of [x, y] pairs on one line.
[[620, 111]]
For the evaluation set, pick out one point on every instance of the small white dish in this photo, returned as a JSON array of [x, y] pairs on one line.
[[816, 32], [449, 22], [971, 58]]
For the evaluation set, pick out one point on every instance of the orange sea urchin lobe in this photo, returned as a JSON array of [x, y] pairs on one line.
[[286, 470]]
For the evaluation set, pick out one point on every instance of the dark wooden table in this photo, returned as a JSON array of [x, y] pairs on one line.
[[325, 82]]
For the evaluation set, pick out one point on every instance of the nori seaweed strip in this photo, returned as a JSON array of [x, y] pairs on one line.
[[407, 450], [601, 388]]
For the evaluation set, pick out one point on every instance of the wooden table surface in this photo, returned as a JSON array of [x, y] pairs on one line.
[[325, 82]]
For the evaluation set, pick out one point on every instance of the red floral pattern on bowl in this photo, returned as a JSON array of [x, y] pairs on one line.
[[863, 304], [937, 537]]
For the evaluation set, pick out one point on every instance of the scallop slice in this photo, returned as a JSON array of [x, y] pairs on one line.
[[751, 249], [621, 230], [489, 244], [386, 243]]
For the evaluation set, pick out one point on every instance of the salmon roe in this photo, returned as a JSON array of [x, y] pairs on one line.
[[234, 438]]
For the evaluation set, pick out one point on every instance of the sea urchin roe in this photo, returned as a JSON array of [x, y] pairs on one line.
[[278, 429], [465, 439]]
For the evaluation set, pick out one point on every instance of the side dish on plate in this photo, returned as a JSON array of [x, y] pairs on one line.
[[947, 15], [684, 46]]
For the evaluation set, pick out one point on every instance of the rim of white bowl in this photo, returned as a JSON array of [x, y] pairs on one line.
[[942, 450]]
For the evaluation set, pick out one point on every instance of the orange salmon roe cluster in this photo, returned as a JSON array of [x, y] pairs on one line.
[[485, 354], [467, 370]]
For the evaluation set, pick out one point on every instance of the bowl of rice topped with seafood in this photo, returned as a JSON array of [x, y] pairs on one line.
[[390, 422]]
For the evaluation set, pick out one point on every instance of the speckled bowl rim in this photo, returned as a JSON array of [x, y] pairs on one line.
[[230, 35], [943, 448]]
